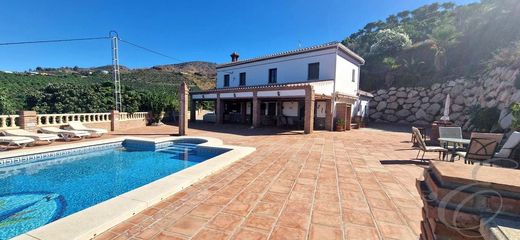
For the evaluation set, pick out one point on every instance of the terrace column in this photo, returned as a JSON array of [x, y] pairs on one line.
[[114, 120], [348, 119], [309, 110], [243, 109], [256, 111], [341, 113], [183, 113], [27, 120], [328, 116], [193, 110], [219, 109], [278, 113]]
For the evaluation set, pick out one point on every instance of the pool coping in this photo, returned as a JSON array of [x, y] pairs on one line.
[[92, 221]]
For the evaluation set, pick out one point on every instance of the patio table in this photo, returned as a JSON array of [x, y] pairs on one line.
[[456, 141]]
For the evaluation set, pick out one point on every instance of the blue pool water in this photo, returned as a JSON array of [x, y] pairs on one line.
[[37, 193]]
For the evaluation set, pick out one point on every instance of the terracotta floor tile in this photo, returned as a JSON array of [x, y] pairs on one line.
[[260, 222], [225, 222], [205, 211], [360, 232], [274, 197], [376, 194], [285, 233], [248, 197], [187, 225], [358, 217], [395, 231], [326, 218], [218, 200], [239, 208], [319, 232], [209, 234], [245, 234], [168, 236], [270, 209], [386, 216], [295, 170], [298, 206], [294, 220], [385, 204], [325, 206], [148, 233]]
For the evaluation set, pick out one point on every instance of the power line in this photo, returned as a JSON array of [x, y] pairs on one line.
[[53, 41], [150, 50], [88, 39]]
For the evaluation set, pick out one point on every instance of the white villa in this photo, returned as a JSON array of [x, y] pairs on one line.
[[303, 88]]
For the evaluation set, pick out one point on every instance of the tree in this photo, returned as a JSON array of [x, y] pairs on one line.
[[404, 15], [6, 105], [389, 42], [443, 36]]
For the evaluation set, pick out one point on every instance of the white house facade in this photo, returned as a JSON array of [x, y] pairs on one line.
[[306, 88]]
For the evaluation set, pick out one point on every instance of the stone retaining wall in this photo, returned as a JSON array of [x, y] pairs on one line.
[[421, 106]]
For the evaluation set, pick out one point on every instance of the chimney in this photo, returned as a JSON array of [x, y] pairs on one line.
[[234, 57]]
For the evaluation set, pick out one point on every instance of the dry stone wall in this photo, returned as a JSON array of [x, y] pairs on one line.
[[421, 106]]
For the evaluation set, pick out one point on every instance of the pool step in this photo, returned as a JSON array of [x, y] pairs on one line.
[[179, 148]]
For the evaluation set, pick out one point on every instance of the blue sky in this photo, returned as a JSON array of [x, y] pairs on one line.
[[188, 30]]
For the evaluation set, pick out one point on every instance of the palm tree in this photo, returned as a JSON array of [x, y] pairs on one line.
[[442, 37]]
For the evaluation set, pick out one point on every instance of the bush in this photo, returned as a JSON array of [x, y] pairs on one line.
[[515, 111], [484, 119], [6, 105], [159, 102], [389, 41]]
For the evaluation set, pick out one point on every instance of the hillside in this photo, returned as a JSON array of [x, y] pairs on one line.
[[18, 86], [435, 43]]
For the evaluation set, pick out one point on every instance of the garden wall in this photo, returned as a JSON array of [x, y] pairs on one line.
[[421, 106]]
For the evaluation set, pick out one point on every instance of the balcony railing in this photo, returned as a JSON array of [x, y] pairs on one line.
[[62, 119], [9, 121], [43, 120], [132, 116]]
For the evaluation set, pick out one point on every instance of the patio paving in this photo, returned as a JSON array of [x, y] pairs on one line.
[[329, 185]]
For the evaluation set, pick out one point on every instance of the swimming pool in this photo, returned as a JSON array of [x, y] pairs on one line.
[[41, 191]]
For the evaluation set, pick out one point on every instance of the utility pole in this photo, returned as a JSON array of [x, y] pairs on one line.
[[116, 72]]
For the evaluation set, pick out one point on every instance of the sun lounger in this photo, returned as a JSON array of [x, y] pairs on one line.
[[9, 141], [78, 126], [512, 142], [67, 135], [38, 137]]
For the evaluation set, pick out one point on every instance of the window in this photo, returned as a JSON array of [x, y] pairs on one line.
[[226, 80], [242, 79], [353, 75], [272, 75], [314, 71]]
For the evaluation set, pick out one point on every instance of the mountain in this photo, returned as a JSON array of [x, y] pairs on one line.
[[196, 67]]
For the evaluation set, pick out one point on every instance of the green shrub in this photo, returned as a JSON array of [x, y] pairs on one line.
[[483, 119], [6, 105], [159, 102], [515, 111]]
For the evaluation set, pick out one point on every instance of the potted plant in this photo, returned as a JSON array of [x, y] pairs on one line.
[[340, 125], [157, 103]]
